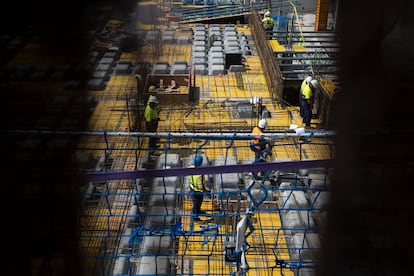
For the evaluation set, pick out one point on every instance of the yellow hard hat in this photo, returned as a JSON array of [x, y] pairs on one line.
[[151, 88]]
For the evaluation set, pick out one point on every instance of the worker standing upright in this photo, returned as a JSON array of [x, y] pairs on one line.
[[305, 82], [268, 22], [307, 96], [197, 187], [151, 115]]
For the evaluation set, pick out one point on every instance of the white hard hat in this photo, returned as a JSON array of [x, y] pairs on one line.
[[262, 123], [256, 100], [308, 79], [314, 83], [267, 14], [152, 99]]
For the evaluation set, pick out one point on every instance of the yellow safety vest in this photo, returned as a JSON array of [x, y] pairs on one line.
[[256, 138], [307, 93], [196, 182], [268, 23], [151, 114]]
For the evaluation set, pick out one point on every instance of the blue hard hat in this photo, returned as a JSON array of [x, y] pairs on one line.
[[198, 160]]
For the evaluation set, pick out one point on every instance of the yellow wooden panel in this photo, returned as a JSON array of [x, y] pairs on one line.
[[276, 47], [298, 48]]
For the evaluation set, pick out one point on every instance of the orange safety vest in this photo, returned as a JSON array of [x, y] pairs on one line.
[[256, 140]]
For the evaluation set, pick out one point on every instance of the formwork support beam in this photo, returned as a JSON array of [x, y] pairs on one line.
[[321, 15]]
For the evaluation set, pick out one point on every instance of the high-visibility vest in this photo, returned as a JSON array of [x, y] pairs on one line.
[[196, 182], [268, 23], [151, 114], [302, 86], [257, 139], [307, 93]]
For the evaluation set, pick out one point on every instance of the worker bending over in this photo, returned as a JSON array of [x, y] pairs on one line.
[[260, 145]]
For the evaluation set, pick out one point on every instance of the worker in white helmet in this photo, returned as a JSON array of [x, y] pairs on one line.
[[259, 145], [268, 22], [307, 98], [151, 115], [305, 82]]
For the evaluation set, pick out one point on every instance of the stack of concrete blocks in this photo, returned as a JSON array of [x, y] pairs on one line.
[[230, 40], [244, 44], [160, 215], [260, 191], [103, 69], [124, 248], [215, 64], [198, 52], [302, 208], [160, 68], [295, 210], [227, 183], [305, 248], [319, 196], [123, 68], [180, 67]]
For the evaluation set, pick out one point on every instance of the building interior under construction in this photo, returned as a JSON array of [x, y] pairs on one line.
[[102, 202]]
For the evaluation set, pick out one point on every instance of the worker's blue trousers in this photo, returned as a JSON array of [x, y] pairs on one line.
[[307, 112]]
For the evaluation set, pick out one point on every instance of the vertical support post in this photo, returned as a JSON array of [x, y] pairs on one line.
[[321, 15]]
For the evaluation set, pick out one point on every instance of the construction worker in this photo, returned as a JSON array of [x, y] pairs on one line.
[[151, 115], [305, 82], [259, 145], [268, 22], [197, 187], [307, 98]]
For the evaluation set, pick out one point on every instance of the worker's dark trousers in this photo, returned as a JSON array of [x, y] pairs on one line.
[[152, 127], [197, 198], [307, 113]]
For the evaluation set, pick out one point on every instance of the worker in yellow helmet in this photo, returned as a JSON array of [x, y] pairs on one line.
[[151, 115]]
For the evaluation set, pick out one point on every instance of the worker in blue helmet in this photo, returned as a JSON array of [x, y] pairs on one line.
[[198, 188]]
